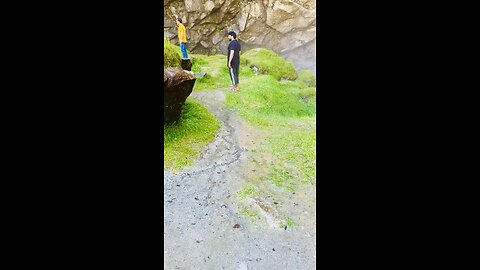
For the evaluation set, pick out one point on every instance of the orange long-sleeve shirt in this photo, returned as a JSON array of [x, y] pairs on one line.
[[182, 33]]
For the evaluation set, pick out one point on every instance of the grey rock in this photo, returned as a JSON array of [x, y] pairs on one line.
[[178, 85], [288, 27]]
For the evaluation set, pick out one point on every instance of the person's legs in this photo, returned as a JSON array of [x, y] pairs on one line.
[[236, 71], [183, 49], [232, 77]]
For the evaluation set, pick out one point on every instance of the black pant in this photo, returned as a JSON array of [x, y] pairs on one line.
[[234, 74]]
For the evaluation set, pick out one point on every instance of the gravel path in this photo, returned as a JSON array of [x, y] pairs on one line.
[[201, 208]]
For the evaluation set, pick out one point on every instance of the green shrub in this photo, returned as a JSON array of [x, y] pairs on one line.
[[270, 63], [171, 54], [307, 77]]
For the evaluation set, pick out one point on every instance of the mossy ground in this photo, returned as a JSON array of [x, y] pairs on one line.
[[307, 77], [184, 139], [171, 54], [285, 110], [270, 63], [215, 67]]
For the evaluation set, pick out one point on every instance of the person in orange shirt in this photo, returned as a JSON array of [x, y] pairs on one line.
[[182, 37]]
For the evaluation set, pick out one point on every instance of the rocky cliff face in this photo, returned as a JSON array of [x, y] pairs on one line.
[[287, 27]]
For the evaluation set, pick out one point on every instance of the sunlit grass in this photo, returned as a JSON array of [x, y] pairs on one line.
[[307, 77], [184, 139], [171, 54], [284, 109], [262, 99], [247, 191], [270, 63], [217, 73]]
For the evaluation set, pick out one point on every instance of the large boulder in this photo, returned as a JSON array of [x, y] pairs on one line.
[[177, 86], [287, 27]]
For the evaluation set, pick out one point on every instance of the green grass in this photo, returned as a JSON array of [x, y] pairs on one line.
[[307, 77], [263, 99], [270, 63], [294, 152], [290, 223], [252, 215], [247, 191], [171, 54], [284, 110], [217, 74], [184, 139], [287, 111]]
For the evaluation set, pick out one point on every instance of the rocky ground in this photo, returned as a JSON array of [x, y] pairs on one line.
[[203, 229]]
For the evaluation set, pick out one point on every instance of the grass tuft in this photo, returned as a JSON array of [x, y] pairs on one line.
[[270, 63], [289, 223], [307, 77], [184, 139], [247, 191], [252, 215], [171, 54]]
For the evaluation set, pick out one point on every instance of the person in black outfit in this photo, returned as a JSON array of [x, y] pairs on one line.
[[233, 59]]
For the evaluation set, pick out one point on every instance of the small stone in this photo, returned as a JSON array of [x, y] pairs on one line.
[[200, 75]]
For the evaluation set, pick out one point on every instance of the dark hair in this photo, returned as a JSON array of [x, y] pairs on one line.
[[231, 33], [179, 20]]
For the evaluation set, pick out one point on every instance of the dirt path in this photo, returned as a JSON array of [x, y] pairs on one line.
[[201, 208]]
